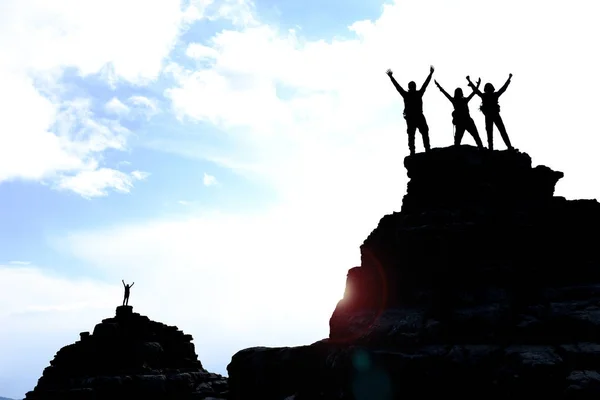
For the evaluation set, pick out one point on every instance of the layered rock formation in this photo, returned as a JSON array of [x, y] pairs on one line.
[[129, 357], [484, 285]]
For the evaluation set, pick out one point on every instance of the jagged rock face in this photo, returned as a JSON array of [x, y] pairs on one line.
[[476, 227], [128, 356], [484, 285]]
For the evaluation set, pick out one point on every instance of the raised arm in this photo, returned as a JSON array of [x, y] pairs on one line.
[[132, 283], [503, 88], [123, 282], [442, 90], [474, 88], [431, 69], [396, 84]]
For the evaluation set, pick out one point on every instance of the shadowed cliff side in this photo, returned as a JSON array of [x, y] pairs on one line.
[[129, 357], [484, 285]]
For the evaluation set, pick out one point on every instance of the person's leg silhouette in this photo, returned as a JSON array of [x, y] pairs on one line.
[[472, 129], [411, 130], [424, 129], [502, 130], [489, 128], [458, 135]]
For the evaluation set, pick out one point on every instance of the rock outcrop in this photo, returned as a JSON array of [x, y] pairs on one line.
[[484, 285], [129, 357]]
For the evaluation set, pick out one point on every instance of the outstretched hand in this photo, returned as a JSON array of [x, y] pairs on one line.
[[509, 76], [389, 72], [436, 83], [431, 69], [478, 82]]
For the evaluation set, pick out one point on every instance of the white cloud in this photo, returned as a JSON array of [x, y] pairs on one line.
[[209, 180], [239, 12], [19, 262], [67, 139], [115, 106], [97, 182], [144, 105], [67, 34], [39, 41], [83, 134], [140, 175], [198, 51]]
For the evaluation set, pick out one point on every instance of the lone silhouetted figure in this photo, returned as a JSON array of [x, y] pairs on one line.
[[413, 110], [127, 287], [491, 110], [461, 118]]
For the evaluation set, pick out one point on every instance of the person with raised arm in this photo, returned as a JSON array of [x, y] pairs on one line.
[[491, 110], [461, 118], [413, 110], [127, 287]]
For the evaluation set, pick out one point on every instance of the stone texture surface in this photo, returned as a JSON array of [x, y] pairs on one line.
[[484, 285], [129, 357]]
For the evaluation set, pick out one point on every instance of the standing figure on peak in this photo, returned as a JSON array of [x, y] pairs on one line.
[[413, 110], [461, 118], [127, 287], [491, 110]]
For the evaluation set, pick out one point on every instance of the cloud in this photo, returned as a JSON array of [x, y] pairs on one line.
[[97, 182], [66, 34], [140, 175], [198, 51], [115, 106], [209, 180], [239, 12], [89, 37], [72, 141], [146, 106]]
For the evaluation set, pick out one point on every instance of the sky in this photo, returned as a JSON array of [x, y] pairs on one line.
[[230, 156]]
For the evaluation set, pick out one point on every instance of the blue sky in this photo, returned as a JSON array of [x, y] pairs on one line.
[[231, 156]]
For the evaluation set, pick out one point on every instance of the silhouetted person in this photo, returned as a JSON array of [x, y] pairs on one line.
[[127, 287], [491, 109], [461, 118], [413, 110]]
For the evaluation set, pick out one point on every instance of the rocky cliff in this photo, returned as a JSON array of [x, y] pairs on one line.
[[129, 357], [484, 285]]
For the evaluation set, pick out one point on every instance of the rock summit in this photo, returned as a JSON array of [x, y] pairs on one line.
[[129, 357]]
